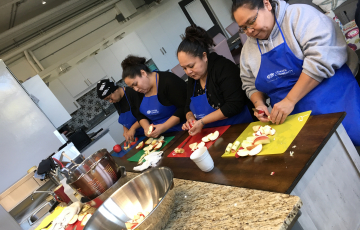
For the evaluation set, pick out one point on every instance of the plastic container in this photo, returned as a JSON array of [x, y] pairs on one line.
[[202, 159], [68, 190]]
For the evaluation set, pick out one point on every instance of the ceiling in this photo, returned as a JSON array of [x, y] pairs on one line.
[[21, 20]]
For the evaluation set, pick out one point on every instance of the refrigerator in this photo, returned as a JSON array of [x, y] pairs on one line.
[[26, 135]]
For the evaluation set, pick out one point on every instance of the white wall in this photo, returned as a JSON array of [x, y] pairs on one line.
[[222, 9]]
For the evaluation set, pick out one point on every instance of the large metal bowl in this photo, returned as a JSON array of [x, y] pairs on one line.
[[151, 192]]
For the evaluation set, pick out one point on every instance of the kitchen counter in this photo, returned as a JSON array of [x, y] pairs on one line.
[[200, 205], [324, 171]]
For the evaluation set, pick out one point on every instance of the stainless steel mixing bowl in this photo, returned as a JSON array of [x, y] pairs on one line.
[[151, 192]]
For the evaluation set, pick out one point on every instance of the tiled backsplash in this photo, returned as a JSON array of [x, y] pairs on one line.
[[90, 107]]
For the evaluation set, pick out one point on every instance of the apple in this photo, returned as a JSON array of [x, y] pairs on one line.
[[251, 139], [246, 143], [193, 146], [134, 142], [255, 150], [272, 132], [243, 152], [205, 139], [200, 145], [158, 146], [85, 219], [140, 145], [151, 129], [74, 219], [250, 147], [117, 148], [148, 141], [161, 138], [126, 147], [235, 146], [256, 128], [214, 136], [228, 148], [262, 140], [154, 142]]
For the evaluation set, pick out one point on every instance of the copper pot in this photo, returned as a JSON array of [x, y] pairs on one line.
[[95, 175]]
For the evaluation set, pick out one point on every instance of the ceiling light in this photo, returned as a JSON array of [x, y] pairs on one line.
[[43, 2]]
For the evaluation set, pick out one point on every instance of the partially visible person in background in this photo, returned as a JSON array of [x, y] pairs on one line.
[[125, 99], [357, 14]]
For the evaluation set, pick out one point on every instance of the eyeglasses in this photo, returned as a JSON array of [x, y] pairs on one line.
[[242, 29]]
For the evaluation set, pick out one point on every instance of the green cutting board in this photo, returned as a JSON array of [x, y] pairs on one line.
[[137, 156], [284, 136]]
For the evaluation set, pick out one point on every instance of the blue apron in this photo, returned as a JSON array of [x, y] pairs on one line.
[[127, 119], [279, 71], [158, 113], [200, 107]]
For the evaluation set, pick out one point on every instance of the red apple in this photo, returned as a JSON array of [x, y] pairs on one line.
[[261, 140], [134, 142], [140, 145], [117, 148]]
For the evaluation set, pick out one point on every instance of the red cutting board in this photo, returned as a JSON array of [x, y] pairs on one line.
[[197, 138]]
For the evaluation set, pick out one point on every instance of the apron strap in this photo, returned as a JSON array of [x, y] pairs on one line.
[[156, 83], [126, 97], [257, 40]]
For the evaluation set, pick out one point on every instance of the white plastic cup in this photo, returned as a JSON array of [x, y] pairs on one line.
[[202, 159]]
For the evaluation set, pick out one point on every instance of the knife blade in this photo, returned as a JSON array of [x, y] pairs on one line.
[[186, 141]]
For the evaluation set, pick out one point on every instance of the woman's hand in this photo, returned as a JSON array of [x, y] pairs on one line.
[[188, 124], [281, 110], [129, 135], [263, 117], [197, 127], [158, 130]]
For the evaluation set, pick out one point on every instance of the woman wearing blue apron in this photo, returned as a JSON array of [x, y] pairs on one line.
[[164, 96], [124, 100], [296, 56], [214, 94]]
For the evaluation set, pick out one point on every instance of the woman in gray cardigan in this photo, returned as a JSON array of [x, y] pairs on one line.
[[295, 55]]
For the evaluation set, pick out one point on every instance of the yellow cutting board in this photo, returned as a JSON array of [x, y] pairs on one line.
[[284, 136]]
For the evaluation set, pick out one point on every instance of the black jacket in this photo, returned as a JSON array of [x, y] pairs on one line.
[[224, 86]]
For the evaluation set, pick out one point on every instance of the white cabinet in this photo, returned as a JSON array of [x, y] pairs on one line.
[[91, 70], [120, 50], [136, 47], [61, 93], [74, 81], [48, 102], [110, 64]]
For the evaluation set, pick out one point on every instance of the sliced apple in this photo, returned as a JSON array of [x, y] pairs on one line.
[[272, 132], [151, 129], [74, 219], [255, 150], [86, 219], [158, 146], [214, 136], [81, 216], [161, 138], [140, 145], [250, 147], [243, 152], [200, 145], [246, 143], [228, 148], [251, 139], [150, 147], [154, 142], [261, 140], [256, 128], [148, 141], [205, 139], [193, 146], [235, 146], [179, 150]]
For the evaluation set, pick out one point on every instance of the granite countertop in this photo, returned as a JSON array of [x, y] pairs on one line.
[[200, 205]]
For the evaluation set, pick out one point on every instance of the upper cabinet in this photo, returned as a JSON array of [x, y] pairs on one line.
[[59, 90], [91, 70], [135, 45], [110, 64], [162, 36], [74, 81]]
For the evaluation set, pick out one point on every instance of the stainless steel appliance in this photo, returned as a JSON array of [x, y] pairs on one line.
[[151, 192]]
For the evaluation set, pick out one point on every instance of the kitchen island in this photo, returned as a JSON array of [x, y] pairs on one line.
[[200, 205], [323, 171]]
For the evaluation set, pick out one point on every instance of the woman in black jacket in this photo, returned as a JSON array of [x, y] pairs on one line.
[[214, 92]]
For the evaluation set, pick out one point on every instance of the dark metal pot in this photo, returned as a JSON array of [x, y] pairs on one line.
[[94, 175]]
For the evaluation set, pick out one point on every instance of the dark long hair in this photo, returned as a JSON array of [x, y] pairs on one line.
[[251, 4], [132, 66], [196, 42]]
